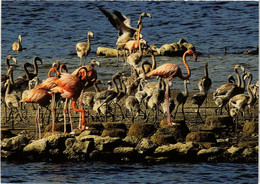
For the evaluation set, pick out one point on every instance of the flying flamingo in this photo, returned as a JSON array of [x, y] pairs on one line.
[[170, 71], [134, 44], [125, 31], [70, 86]]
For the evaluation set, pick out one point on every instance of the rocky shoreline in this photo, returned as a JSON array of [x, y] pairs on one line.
[[215, 141]]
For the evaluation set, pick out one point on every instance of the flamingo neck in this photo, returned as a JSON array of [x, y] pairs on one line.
[[206, 73], [251, 96], [115, 84], [7, 63], [242, 81], [238, 78], [26, 72], [88, 41], [53, 69], [73, 105], [36, 65], [186, 66], [153, 60], [96, 87], [185, 88], [7, 89]]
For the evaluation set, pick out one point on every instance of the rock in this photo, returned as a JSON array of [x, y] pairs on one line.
[[95, 128], [69, 142], [179, 131], [57, 140], [248, 143], [114, 132], [187, 151], [201, 137], [218, 124], [83, 134], [37, 147], [250, 128], [125, 151], [130, 141], [16, 143], [161, 139], [6, 133], [234, 150], [141, 130], [167, 50], [165, 150], [210, 152], [145, 146], [109, 52], [83, 147], [106, 144], [114, 125]]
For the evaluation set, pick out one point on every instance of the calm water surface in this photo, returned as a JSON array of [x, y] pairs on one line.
[[70, 172], [52, 29]]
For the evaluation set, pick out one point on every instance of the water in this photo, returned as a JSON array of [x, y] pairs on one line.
[[52, 29], [42, 172]]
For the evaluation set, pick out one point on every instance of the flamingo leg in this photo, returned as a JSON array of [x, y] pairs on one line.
[[53, 111], [182, 109], [117, 55], [38, 121], [167, 104], [83, 121], [81, 106], [175, 111], [64, 114], [69, 111]]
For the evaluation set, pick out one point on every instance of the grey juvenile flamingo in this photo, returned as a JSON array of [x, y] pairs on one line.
[[17, 46], [84, 48]]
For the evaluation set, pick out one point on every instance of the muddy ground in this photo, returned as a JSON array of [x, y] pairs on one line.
[[190, 109]]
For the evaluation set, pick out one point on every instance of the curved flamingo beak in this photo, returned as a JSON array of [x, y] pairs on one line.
[[195, 56]]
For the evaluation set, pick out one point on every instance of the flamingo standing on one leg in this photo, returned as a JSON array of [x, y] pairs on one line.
[[170, 71]]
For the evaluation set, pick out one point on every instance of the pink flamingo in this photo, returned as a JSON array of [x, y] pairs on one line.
[[90, 78], [170, 71], [40, 95], [70, 86]]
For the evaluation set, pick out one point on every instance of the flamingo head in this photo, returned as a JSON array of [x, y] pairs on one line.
[[91, 34], [192, 52], [9, 57]]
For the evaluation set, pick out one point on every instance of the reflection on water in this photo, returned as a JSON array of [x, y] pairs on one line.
[[70, 172]]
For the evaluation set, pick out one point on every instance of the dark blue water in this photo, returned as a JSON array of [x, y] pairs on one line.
[[43, 172], [52, 29]]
